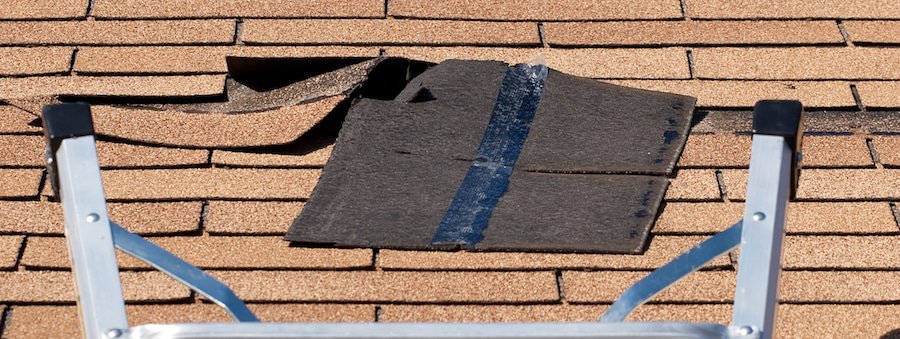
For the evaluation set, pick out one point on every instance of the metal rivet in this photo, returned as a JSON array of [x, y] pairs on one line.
[[114, 333], [93, 217], [759, 216], [746, 330]]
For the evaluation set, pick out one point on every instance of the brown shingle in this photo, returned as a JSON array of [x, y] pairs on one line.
[[195, 59], [796, 63], [237, 8], [662, 249], [719, 93], [873, 31], [109, 32], [536, 9], [213, 252], [703, 286], [541, 313], [251, 217], [21, 150], [730, 150], [830, 184], [839, 286], [9, 251], [792, 9], [145, 86], [694, 185], [617, 33], [842, 252], [879, 94], [19, 182], [209, 183], [15, 120], [56, 286], [375, 31], [316, 158], [837, 321], [40, 217], [43, 9], [62, 321], [369, 286], [803, 217], [277, 126], [34, 60], [888, 148], [126, 155], [638, 63]]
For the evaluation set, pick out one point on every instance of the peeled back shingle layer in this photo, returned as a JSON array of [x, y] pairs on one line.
[[224, 206]]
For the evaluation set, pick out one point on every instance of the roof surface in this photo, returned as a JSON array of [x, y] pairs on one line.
[[177, 179]]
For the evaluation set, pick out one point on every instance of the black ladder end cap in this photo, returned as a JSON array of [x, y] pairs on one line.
[[67, 120], [780, 118]]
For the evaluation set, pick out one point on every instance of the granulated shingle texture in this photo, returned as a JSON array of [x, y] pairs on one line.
[[661, 250], [117, 32], [842, 252], [209, 184], [237, 8], [62, 321], [716, 93], [14, 120], [55, 286], [403, 287], [888, 148], [831, 184], [693, 185], [278, 126], [196, 59], [839, 286], [251, 217], [43, 9], [34, 60], [316, 158], [19, 182], [41, 217], [375, 31], [9, 251], [126, 155], [691, 33], [881, 31], [796, 63], [643, 63], [803, 218], [592, 287], [145, 86], [536, 9], [798, 9], [542, 313], [213, 252], [21, 150], [727, 150], [837, 321], [879, 94]]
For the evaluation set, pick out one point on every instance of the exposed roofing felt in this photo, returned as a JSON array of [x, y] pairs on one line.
[[224, 208]]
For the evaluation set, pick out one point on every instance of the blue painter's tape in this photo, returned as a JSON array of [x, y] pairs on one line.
[[488, 177]]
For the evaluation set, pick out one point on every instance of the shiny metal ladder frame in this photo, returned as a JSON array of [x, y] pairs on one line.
[[74, 172]]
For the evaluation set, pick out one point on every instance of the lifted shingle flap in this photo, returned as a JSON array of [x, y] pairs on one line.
[[589, 177]]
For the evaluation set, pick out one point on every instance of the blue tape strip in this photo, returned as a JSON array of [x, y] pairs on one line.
[[488, 177]]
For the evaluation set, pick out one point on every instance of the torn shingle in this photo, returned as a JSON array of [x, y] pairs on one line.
[[273, 127]]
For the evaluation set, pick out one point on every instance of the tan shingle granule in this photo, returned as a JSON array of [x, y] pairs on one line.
[[9, 251], [705, 286], [19, 182], [536, 9], [56, 286], [794, 9], [729, 93], [654, 33], [368, 286], [251, 217], [103, 32], [209, 183], [144, 86], [237, 8], [831, 184], [34, 60], [694, 185], [802, 63]]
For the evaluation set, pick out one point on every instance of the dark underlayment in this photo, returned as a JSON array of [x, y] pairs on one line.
[[482, 155]]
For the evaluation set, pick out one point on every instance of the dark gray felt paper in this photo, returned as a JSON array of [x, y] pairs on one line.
[[590, 177]]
